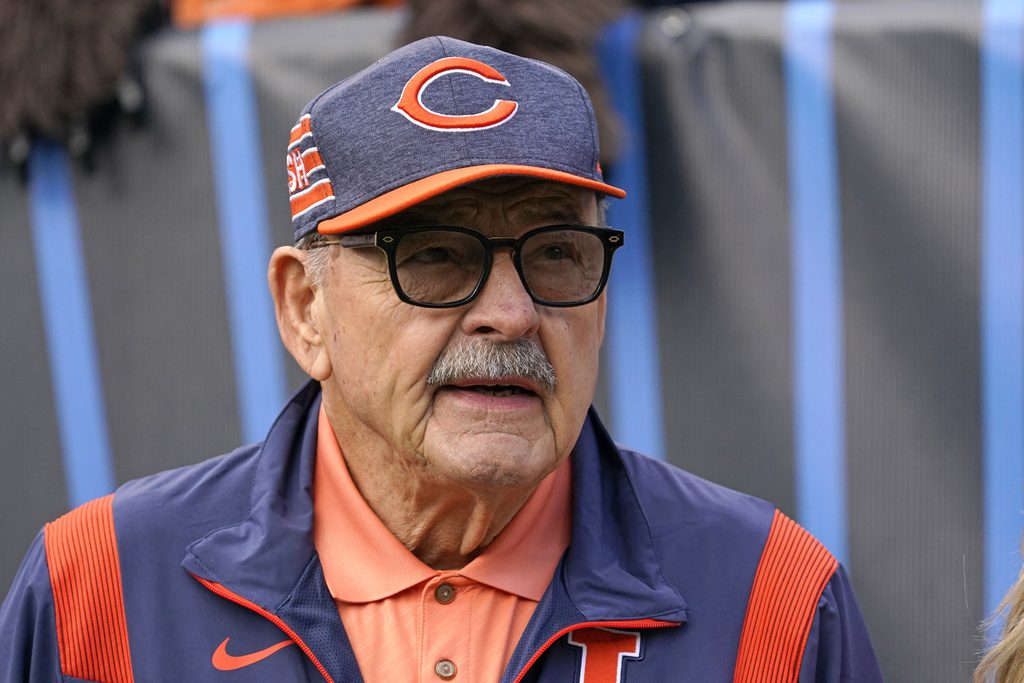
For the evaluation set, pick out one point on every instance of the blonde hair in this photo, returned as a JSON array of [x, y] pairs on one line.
[[1004, 662]]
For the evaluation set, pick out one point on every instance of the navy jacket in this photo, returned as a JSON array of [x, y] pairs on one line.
[[223, 550]]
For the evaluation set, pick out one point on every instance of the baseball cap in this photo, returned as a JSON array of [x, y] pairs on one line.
[[433, 115]]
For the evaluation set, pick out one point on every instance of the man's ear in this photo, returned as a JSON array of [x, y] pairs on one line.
[[294, 304]]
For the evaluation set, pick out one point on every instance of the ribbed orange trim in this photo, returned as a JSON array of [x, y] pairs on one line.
[[190, 13], [794, 570], [415, 192], [85, 575]]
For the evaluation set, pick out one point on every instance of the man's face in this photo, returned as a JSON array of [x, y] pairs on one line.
[[381, 351]]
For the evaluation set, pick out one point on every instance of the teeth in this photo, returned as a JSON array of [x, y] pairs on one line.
[[499, 392]]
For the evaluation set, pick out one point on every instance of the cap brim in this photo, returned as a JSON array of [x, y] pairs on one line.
[[415, 192]]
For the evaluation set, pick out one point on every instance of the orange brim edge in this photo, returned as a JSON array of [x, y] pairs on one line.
[[415, 192]]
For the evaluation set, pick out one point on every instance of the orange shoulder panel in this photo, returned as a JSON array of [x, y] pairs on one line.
[[85, 575], [794, 570]]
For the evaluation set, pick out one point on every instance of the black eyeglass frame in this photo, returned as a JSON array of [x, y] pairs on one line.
[[387, 241]]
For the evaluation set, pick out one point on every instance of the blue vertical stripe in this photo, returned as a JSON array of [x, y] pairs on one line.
[[634, 383], [237, 165], [67, 316], [818, 391], [1002, 290]]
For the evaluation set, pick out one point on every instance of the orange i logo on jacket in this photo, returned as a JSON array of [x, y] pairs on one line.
[[411, 104], [603, 652]]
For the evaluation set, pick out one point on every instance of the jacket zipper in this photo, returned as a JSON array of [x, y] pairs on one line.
[[642, 623], [225, 593]]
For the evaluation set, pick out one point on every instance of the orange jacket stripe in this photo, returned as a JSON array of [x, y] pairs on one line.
[[793, 572], [784, 600], [85, 575]]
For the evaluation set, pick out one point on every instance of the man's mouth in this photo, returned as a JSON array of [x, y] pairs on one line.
[[501, 388], [500, 391]]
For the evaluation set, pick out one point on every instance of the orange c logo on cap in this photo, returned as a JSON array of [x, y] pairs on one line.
[[411, 103]]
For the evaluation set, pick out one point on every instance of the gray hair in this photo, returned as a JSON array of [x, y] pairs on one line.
[[317, 258], [475, 359]]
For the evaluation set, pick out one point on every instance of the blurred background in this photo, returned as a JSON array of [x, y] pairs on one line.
[[820, 301]]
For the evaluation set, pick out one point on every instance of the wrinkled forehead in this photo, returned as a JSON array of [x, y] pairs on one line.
[[516, 202]]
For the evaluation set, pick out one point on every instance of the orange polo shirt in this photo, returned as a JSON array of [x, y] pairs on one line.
[[408, 622]]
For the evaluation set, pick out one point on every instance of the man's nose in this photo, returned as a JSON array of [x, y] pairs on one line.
[[503, 310]]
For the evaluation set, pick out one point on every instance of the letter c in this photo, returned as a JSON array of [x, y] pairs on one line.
[[411, 103]]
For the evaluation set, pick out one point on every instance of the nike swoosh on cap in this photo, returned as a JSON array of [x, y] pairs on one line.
[[225, 662]]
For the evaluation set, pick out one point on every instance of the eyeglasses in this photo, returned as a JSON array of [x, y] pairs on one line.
[[445, 267]]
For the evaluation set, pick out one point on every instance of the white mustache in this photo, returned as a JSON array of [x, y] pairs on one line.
[[493, 360]]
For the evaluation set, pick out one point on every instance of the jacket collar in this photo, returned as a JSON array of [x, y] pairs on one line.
[[611, 571], [263, 556]]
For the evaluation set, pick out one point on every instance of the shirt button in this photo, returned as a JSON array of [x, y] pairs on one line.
[[445, 669], [444, 594]]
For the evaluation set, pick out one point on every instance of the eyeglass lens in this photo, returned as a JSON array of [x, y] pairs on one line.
[[440, 266]]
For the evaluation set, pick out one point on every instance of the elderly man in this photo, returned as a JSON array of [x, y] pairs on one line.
[[438, 502]]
